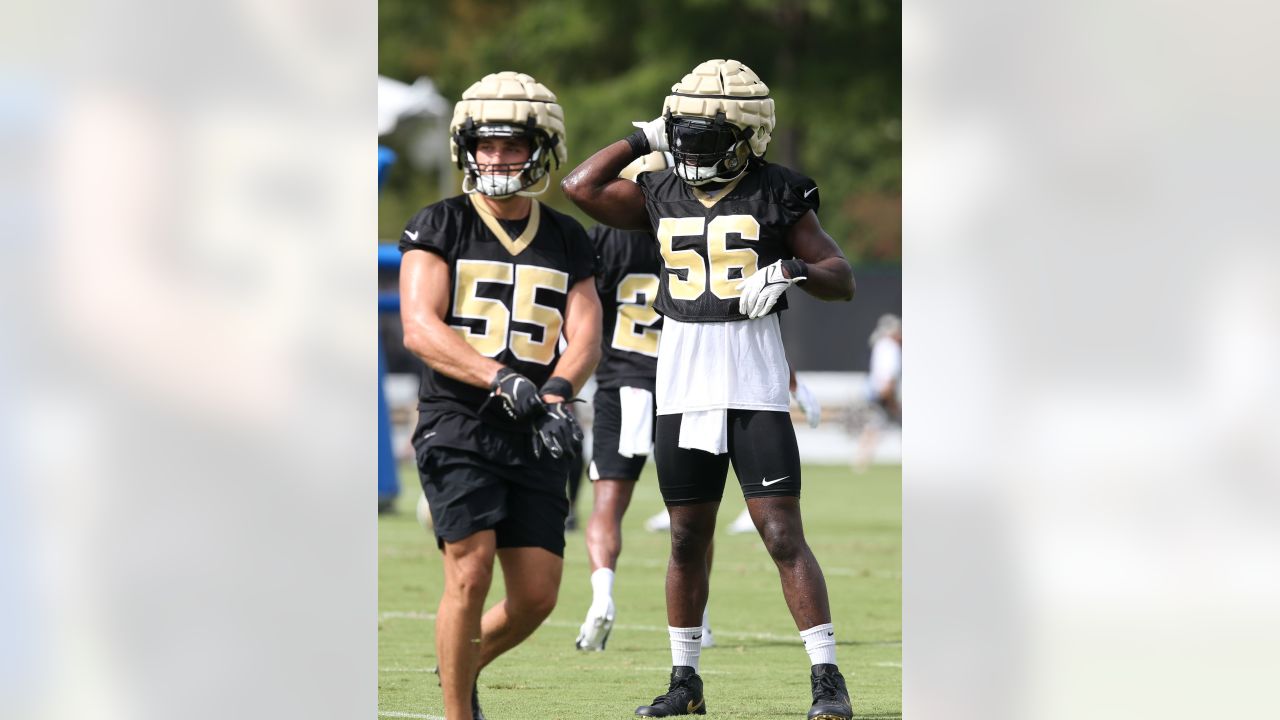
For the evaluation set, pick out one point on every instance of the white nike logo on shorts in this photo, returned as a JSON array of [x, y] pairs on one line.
[[767, 483]]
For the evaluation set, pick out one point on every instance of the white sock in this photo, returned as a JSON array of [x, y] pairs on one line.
[[686, 646], [820, 643], [601, 590]]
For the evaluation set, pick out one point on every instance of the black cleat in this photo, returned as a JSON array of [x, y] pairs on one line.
[[684, 697], [830, 694]]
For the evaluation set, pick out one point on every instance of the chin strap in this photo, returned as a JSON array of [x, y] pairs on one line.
[[534, 193]]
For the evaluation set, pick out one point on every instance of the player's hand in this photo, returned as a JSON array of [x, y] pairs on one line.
[[557, 433], [761, 291], [655, 131], [516, 395], [808, 403]]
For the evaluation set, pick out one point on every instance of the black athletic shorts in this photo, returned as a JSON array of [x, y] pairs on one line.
[[762, 448], [605, 461], [477, 477]]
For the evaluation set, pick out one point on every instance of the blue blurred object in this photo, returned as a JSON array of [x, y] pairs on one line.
[[388, 257], [386, 158]]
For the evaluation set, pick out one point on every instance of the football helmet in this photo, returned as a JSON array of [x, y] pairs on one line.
[[508, 104], [718, 117]]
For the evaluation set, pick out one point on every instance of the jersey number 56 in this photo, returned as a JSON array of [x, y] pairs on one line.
[[713, 272]]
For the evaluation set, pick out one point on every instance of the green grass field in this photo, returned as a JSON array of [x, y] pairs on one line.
[[758, 668]]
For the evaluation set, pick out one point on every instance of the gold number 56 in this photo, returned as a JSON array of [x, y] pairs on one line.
[[698, 278]]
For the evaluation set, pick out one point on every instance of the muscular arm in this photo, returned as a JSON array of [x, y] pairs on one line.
[[424, 298], [582, 335], [594, 186], [829, 277]]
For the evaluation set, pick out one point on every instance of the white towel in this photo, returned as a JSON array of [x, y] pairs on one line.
[[635, 436], [706, 430]]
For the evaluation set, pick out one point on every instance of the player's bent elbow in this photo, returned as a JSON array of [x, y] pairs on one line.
[[572, 189], [416, 340]]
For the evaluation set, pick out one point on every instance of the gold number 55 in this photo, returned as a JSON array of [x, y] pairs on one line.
[[498, 334]]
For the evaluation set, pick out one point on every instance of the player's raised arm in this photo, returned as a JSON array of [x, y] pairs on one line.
[[582, 337], [828, 274], [595, 187], [424, 300]]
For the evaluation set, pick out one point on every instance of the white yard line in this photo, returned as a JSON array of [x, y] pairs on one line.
[[772, 637], [419, 716]]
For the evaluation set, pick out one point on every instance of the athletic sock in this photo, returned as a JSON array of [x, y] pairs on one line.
[[686, 646], [706, 618], [601, 591], [820, 643]]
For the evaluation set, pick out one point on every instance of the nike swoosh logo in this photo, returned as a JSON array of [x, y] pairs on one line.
[[697, 637], [807, 193], [693, 706], [767, 483], [412, 235], [424, 437], [830, 633], [515, 385]]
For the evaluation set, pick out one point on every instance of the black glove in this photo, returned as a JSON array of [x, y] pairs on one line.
[[516, 394], [557, 432]]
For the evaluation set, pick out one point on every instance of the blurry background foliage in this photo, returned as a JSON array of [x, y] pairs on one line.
[[832, 66]]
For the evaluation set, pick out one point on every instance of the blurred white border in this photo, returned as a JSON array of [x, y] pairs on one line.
[[187, 468], [1091, 457]]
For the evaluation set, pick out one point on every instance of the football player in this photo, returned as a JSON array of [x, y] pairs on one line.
[[489, 281], [627, 266], [734, 233]]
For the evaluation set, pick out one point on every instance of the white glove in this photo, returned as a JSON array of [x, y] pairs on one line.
[[808, 403], [761, 291], [655, 131]]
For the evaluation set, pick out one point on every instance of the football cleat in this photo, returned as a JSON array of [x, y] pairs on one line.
[[683, 697], [659, 523], [594, 633], [830, 694]]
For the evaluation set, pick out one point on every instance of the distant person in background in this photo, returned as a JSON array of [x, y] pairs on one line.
[[884, 387], [627, 266]]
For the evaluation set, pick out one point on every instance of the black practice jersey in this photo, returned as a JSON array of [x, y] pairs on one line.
[[510, 287], [709, 244], [627, 265]]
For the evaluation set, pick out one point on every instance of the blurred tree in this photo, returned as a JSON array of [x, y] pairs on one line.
[[834, 69]]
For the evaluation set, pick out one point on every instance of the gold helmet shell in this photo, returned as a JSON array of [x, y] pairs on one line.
[[728, 87], [511, 98]]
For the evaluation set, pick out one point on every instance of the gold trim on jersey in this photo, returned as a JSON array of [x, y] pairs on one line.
[[518, 245], [708, 200]]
